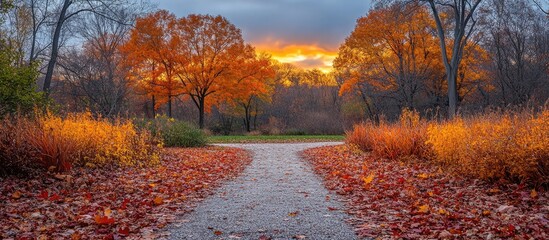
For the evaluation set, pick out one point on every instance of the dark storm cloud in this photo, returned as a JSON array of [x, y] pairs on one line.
[[322, 22]]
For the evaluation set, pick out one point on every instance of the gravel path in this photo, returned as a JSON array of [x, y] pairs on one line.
[[277, 197]]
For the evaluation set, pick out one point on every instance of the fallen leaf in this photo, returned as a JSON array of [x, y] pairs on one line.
[[293, 214], [423, 175], [103, 220], [423, 209], [369, 179], [440, 211], [217, 232], [107, 212], [43, 194], [124, 231], [158, 201], [16, 195], [486, 212], [533, 193]]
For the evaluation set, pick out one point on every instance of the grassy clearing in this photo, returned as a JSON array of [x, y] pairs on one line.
[[275, 138]]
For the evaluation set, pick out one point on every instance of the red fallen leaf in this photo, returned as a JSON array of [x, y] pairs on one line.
[[88, 196], [125, 204], [103, 220], [332, 209], [401, 180], [511, 230], [124, 231], [55, 197], [109, 237], [43, 194], [217, 232]]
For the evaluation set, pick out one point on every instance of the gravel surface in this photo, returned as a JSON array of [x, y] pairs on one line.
[[278, 196]]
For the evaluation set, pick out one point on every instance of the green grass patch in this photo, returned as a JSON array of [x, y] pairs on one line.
[[275, 138]]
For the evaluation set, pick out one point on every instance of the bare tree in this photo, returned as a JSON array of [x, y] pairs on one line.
[[543, 5], [463, 24], [519, 44], [95, 75], [69, 9]]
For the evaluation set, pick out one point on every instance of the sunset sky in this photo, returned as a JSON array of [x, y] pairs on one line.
[[306, 33]]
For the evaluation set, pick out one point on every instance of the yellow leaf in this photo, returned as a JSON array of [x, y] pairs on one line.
[[107, 212], [423, 208], [423, 175], [431, 194], [486, 212], [369, 179], [533, 193], [442, 212], [494, 190], [158, 200]]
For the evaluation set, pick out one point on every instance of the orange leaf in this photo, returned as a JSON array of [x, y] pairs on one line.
[[293, 214], [16, 195], [533, 193], [107, 212], [423, 175], [369, 179], [158, 201], [103, 220]]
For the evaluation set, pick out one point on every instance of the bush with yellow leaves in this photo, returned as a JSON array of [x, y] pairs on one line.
[[99, 141], [78, 138], [513, 146]]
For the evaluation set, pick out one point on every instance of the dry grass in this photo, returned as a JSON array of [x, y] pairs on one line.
[[55, 142], [392, 140], [512, 146], [493, 146]]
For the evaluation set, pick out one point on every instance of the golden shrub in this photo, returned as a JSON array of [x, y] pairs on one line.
[[494, 146], [101, 141]]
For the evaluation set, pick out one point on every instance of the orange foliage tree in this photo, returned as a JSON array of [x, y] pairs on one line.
[[393, 54], [201, 56], [257, 75], [150, 54], [214, 62]]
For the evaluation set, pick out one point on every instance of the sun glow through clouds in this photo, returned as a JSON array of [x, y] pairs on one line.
[[303, 56]]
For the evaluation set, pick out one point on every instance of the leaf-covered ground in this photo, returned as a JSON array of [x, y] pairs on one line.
[[390, 199], [113, 203]]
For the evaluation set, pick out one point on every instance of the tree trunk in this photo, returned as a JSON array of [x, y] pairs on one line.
[[201, 112], [170, 106], [153, 107], [247, 117], [452, 93], [55, 47]]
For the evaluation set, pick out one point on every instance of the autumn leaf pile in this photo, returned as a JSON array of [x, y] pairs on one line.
[[97, 203], [414, 199]]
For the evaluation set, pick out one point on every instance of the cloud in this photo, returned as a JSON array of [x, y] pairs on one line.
[[323, 22], [304, 56], [304, 32]]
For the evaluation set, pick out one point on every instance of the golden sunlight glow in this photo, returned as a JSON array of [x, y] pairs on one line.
[[303, 56]]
